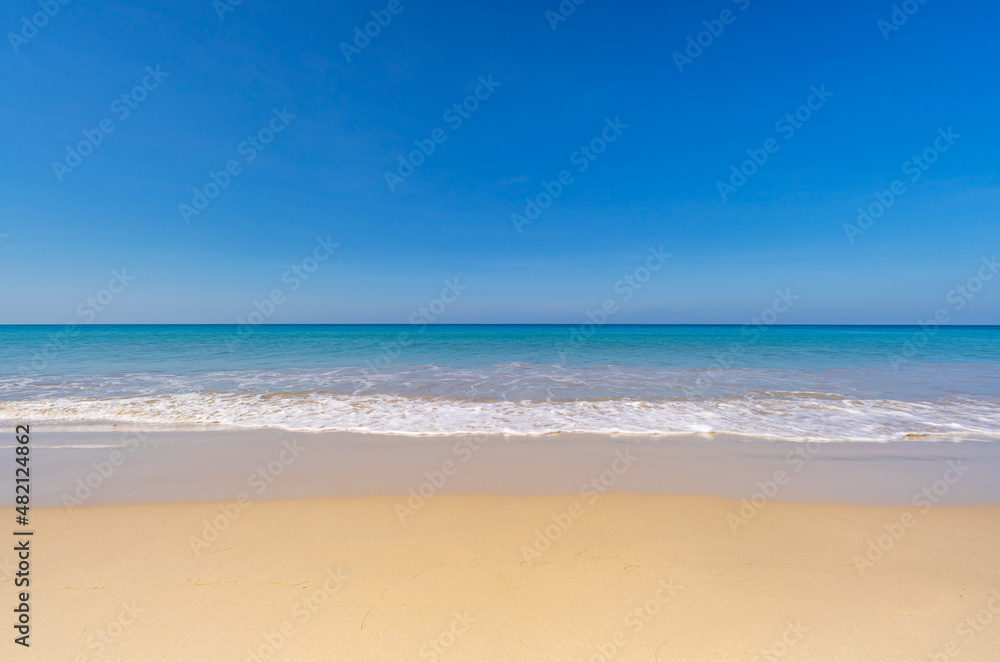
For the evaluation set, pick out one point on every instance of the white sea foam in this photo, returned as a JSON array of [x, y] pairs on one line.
[[784, 415]]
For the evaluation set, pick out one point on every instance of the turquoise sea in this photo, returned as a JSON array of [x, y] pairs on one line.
[[833, 383]]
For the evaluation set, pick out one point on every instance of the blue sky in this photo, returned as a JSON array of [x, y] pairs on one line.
[[62, 232]]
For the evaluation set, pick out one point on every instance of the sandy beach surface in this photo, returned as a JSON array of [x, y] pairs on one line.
[[266, 545]]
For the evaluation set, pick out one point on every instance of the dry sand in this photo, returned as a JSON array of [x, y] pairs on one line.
[[640, 577]]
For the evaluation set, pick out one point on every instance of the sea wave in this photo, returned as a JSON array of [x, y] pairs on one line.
[[800, 416]]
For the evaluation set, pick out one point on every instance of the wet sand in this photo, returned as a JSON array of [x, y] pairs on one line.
[[198, 465]]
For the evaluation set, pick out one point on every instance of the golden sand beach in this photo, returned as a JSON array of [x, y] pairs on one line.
[[630, 577], [616, 568]]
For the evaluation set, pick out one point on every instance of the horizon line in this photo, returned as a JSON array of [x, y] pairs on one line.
[[567, 324]]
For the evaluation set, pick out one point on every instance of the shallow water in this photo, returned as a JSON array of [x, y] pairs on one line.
[[829, 383]]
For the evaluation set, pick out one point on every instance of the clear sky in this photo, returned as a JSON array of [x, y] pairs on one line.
[[678, 124]]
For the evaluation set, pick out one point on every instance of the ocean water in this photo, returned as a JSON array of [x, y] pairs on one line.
[[829, 383]]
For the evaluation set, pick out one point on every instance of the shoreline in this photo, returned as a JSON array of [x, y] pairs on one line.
[[166, 466]]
